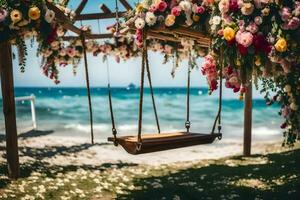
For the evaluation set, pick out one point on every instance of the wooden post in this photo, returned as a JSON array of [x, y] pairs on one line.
[[248, 119], [8, 97]]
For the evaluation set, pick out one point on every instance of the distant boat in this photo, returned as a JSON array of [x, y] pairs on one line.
[[131, 86]]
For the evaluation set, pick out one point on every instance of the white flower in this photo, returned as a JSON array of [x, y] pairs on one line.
[[49, 16], [150, 18], [216, 20], [186, 6], [139, 23]]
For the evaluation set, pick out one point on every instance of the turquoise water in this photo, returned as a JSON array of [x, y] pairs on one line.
[[65, 110]]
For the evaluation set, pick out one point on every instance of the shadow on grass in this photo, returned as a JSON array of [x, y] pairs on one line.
[[277, 178], [52, 170]]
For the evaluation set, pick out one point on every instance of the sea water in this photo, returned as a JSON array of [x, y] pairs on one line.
[[65, 111]]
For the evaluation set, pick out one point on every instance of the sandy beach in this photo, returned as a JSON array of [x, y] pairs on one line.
[[55, 149]]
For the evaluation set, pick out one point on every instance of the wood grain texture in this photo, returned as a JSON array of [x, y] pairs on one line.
[[8, 97]]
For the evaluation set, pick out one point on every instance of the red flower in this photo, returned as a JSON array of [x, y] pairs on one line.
[[261, 44], [52, 36], [162, 6], [243, 50], [214, 85], [233, 6]]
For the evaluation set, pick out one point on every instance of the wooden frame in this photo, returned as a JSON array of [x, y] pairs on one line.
[[6, 71]]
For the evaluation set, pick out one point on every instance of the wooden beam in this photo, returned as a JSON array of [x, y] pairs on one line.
[[94, 16], [81, 7], [126, 4], [104, 8], [64, 20], [248, 119], [9, 111], [90, 36]]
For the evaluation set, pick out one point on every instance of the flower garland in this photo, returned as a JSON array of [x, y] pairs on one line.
[[20, 20]]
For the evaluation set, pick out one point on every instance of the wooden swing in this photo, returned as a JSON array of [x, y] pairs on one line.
[[147, 143]]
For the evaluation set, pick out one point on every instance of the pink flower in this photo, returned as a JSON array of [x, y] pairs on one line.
[[244, 38], [199, 9], [153, 8], [176, 11], [224, 6], [210, 70], [3, 15], [291, 24], [252, 27], [285, 13], [71, 52], [162, 6]]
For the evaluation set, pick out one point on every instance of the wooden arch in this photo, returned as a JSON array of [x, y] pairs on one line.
[[6, 71]]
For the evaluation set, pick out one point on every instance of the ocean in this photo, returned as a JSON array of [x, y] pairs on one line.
[[65, 111]]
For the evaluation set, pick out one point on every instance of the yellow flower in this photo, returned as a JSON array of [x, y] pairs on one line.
[[196, 18], [170, 20], [139, 8], [281, 45], [16, 16], [34, 13], [257, 61], [228, 33]]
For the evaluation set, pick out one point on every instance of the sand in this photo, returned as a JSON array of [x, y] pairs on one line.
[[63, 150]]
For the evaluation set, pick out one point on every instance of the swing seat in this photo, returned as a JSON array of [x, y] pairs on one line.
[[164, 141]]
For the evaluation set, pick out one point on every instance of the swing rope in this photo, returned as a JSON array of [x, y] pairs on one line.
[[188, 123], [114, 130], [140, 120], [151, 90], [219, 117], [88, 86]]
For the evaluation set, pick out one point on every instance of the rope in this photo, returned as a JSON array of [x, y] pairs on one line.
[[114, 130], [88, 86], [218, 117], [151, 90], [188, 123], [140, 120]]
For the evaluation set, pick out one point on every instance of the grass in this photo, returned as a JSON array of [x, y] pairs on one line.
[[271, 176]]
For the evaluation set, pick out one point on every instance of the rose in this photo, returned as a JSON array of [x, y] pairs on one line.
[[244, 38], [281, 45], [224, 6], [176, 11], [198, 9], [258, 20], [252, 27], [34, 13], [16, 16], [162, 6], [49, 16], [247, 8], [233, 6], [170, 20], [228, 33], [261, 44], [285, 13]]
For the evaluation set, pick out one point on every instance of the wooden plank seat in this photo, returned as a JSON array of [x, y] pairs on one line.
[[163, 141]]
